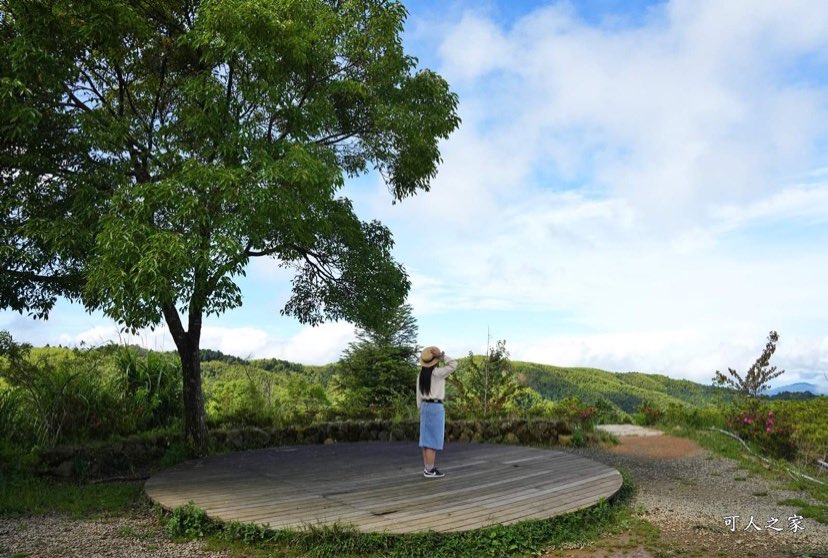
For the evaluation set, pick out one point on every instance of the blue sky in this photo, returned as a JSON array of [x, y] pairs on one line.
[[635, 186]]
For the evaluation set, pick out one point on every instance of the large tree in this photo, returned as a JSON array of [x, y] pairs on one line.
[[150, 148]]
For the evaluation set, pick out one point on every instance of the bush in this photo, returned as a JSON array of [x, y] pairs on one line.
[[650, 413], [189, 522], [756, 422], [58, 399], [151, 388], [577, 414], [239, 403], [485, 387], [372, 375], [695, 417]]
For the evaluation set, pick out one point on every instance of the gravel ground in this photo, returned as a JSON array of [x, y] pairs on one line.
[[54, 536], [682, 489], [687, 491]]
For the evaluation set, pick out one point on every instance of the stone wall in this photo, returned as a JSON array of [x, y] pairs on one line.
[[147, 452]]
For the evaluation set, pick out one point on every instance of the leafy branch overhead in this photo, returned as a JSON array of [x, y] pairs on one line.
[[150, 150], [758, 376]]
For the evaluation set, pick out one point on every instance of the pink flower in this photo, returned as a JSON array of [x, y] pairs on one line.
[[768, 429], [746, 419], [770, 421]]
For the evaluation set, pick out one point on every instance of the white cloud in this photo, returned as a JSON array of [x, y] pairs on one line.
[[689, 109], [309, 345]]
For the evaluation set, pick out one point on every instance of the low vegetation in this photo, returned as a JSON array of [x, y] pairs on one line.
[[126, 397]]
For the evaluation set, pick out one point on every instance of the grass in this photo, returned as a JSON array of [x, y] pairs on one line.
[[812, 511], [529, 537], [36, 496]]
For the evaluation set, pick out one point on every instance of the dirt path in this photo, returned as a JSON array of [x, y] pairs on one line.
[[686, 492]]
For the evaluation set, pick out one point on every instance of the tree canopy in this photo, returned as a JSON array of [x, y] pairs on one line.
[[485, 386], [380, 367], [149, 150]]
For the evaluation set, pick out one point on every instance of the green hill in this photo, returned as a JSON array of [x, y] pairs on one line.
[[624, 391]]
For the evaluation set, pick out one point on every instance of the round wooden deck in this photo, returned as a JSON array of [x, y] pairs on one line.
[[379, 486]]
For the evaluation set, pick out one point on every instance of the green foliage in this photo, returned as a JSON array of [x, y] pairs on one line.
[[26, 495], [274, 365], [484, 387], [812, 511], [695, 417], [650, 413], [809, 420], [372, 376], [59, 395], [57, 399], [380, 367], [151, 387], [581, 416], [616, 395], [755, 421], [189, 521], [757, 377], [246, 395], [209, 355]]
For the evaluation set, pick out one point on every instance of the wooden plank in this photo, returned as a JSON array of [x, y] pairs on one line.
[[434, 506], [440, 516], [317, 485]]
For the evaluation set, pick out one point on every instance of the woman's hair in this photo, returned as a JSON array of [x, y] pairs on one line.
[[425, 379]]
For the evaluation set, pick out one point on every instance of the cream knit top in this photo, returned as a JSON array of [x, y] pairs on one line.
[[438, 381]]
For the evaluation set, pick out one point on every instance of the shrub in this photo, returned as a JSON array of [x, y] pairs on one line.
[[151, 388], [577, 414], [695, 417], [189, 521], [651, 414], [485, 387], [59, 399], [239, 402], [755, 421]]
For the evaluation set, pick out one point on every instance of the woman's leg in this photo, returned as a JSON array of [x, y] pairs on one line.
[[429, 457]]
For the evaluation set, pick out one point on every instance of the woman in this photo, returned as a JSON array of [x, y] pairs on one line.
[[431, 390]]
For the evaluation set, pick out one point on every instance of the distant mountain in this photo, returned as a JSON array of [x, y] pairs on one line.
[[799, 387]]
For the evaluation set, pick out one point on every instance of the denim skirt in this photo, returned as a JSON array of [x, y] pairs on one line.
[[432, 425]]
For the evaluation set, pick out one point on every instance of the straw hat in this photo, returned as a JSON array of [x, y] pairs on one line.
[[430, 357]]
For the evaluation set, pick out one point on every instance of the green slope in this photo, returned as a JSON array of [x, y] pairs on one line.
[[625, 391]]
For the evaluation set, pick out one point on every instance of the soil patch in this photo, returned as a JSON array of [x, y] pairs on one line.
[[657, 447]]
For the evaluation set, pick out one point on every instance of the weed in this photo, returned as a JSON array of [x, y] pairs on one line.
[[189, 522]]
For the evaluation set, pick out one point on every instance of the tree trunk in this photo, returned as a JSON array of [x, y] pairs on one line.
[[187, 343], [195, 424]]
